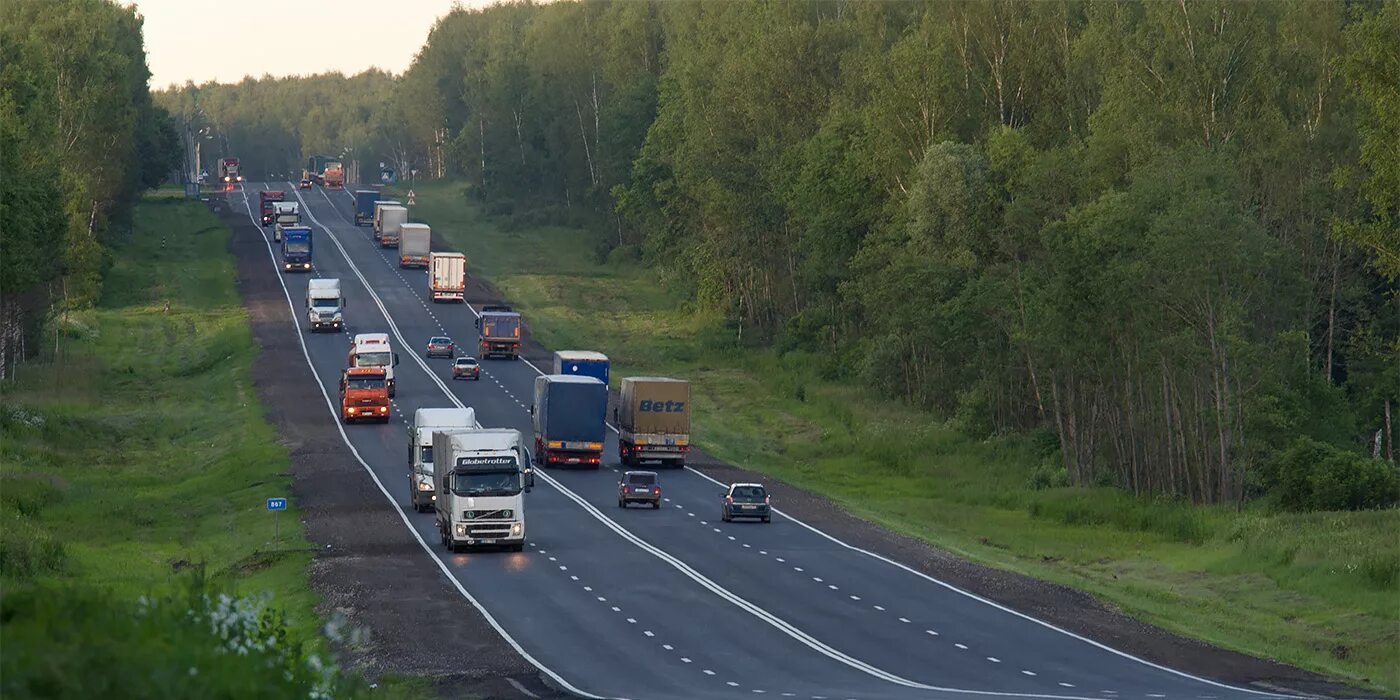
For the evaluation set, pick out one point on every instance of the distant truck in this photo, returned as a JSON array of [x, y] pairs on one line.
[[284, 215], [447, 276], [415, 242], [498, 332], [569, 417], [373, 350], [267, 199], [480, 481], [387, 220], [379, 205], [585, 363], [653, 421], [324, 304], [364, 206], [316, 168], [426, 421], [230, 171], [296, 248], [334, 175], [364, 394]]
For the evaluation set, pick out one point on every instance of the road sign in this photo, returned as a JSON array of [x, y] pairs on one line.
[[276, 504], [410, 198]]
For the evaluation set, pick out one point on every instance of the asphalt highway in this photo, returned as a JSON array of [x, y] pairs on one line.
[[673, 603]]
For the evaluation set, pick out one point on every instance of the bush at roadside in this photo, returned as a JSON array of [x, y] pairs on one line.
[[1317, 476]]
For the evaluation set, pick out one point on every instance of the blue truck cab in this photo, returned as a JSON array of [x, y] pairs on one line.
[[364, 206], [584, 363], [568, 416], [296, 249]]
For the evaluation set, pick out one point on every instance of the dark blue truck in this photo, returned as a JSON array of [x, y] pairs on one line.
[[568, 414], [584, 363], [364, 206], [296, 248]]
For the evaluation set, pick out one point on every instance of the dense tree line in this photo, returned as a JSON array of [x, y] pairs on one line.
[[79, 139], [1164, 232]]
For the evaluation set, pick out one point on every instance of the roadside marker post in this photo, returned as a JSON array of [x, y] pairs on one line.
[[276, 505]]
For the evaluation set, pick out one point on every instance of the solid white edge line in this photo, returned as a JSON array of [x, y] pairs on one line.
[[330, 406], [738, 601]]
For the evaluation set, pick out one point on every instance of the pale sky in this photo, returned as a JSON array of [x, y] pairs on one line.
[[203, 40]]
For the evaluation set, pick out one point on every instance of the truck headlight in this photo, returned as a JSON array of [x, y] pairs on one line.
[[516, 528], [461, 530]]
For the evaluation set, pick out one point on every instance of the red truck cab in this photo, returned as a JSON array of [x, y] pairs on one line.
[[364, 394], [265, 204]]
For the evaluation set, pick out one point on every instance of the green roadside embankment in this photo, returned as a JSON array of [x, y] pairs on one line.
[[1317, 590], [137, 554]]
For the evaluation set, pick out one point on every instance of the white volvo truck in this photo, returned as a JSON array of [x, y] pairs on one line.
[[324, 305], [426, 422], [480, 481]]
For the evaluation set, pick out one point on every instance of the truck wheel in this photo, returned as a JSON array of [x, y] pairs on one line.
[[656, 505], [725, 517], [621, 503], [767, 518]]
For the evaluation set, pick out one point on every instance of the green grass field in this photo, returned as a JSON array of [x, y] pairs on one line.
[[1321, 590], [141, 454]]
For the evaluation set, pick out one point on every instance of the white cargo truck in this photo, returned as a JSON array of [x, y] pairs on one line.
[[373, 350], [447, 276], [379, 205], [480, 482], [427, 421], [415, 242], [324, 304], [386, 224], [284, 214]]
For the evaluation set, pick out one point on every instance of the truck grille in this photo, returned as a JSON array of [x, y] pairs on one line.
[[502, 514]]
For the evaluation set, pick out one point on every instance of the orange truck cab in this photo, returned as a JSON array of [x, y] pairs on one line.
[[364, 394]]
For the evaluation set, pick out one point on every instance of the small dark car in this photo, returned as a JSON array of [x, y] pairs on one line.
[[746, 501], [466, 367], [638, 487], [441, 346], [305, 184]]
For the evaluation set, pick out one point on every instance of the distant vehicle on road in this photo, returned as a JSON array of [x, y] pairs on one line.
[[466, 367], [364, 206], [568, 415], [585, 363], [267, 200], [415, 244], [284, 215], [653, 420], [387, 220], [364, 394], [639, 487], [427, 421], [324, 305], [334, 175], [441, 346], [498, 332], [447, 276], [229, 171], [746, 501], [373, 350], [305, 184], [296, 248]]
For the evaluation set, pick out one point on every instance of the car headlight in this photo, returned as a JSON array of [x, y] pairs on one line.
[[516, 528], [461, 530]]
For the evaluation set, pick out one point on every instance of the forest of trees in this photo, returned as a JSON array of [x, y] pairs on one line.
[[80, 138], [1164, 232]]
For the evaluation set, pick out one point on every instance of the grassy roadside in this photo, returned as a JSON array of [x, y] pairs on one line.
[[140, 457], [1320, 591]]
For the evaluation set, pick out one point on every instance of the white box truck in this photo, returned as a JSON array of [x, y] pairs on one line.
[[373, 350], [480, 481], [387, 223], [324, 304], [447, 276], [379, 205], [284, 214], [427, 421], [415, 242]]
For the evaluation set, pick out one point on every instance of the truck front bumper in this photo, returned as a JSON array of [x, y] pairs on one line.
[[488, 533]]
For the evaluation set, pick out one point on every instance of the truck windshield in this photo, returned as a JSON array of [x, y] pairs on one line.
[[492, 483], [325, 303], [373, 359], [355, 383], [298, 247]]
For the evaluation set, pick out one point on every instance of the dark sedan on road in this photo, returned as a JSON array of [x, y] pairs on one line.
[[466, 367], [305, 184], [638, 487], [441, 346], [746, 501]]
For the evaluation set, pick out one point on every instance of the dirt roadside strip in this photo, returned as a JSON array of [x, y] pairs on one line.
[[370, 569]]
